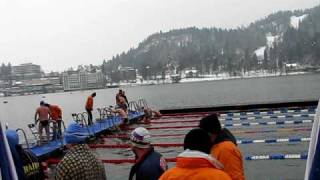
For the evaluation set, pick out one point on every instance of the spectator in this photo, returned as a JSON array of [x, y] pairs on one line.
[[195, 162], [79, 163], [149, 164], [27, 164], [224, 146]]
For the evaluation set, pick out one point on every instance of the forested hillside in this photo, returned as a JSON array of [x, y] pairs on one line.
[[281, 38]]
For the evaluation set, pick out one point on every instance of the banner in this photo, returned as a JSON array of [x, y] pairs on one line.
[[313, 162], [8, 170]]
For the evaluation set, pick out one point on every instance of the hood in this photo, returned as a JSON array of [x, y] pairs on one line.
[[13, 137], [225, 135], [197, 159]]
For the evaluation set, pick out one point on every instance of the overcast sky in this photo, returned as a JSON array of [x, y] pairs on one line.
[[58, 34]]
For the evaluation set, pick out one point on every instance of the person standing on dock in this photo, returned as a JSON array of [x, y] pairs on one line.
[[56, 116], [43, 115], [150, 164], [195, 162], [89, 107], [122, 107], [224, 146], [121, 93]]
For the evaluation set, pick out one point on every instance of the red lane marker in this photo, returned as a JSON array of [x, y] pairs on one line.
[[178, 117], [165, 127], [120, 161], [126, 136], [165, 122], [109, 161], [123, 146], [187, 114], [234, 132]]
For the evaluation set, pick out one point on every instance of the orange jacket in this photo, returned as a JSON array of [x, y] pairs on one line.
[[194, 168], [230, 156], [55, 112], [89, 104]]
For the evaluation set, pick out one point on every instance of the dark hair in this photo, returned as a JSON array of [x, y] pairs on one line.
[[46, 104], [199, 140], [94, 94], [211, 124], [42, 103]]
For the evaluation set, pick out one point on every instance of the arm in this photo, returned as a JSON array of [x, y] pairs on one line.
[[36, 117]]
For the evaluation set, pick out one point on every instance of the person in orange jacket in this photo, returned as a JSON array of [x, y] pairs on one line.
[[56, 116], [89, 107], [195, 162], [224, 146]]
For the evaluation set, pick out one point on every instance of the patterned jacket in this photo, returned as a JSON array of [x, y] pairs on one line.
[[80, 164]]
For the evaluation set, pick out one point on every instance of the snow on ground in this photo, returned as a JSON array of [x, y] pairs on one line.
[[210, 77], [271, 39], [260, 51], [295, 20]]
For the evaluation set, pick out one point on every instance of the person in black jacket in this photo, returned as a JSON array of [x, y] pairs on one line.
[[150, 164], [27, 164]]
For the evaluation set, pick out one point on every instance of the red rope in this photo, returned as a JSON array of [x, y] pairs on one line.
[[165, 122], [113, 146], [120, 161], [164, 127], [108, 161], [125, 136], [187, 114]]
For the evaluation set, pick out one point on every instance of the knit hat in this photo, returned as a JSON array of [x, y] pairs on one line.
[[140, 137], [198, 140]]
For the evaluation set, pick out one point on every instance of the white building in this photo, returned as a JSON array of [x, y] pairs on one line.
[[82, 80], [26, 71]]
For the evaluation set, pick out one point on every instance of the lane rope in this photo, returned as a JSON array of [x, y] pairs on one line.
[[126, 136], [234, 119], [232, 124], [279, 156], [245, 141]]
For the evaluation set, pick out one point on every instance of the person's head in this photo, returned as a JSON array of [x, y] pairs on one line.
[[121, 91], [140, 140], [197, 140], [42, 103], [211, 125], [94, 94], [47, 105]]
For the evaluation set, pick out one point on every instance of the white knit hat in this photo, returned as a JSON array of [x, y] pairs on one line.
[[140, 137]]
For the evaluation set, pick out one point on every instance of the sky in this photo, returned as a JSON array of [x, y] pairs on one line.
[[58, 34]]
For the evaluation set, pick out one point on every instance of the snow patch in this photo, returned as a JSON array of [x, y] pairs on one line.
[[271, 40], [260, 52], [295, 20]]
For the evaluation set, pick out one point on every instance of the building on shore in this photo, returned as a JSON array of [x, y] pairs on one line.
[[82, 80], [26, 71]]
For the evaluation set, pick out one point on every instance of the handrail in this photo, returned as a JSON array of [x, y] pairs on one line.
[[25, 136], [133, 106]]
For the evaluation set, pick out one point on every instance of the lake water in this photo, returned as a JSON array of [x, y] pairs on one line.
[[20, 110]]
